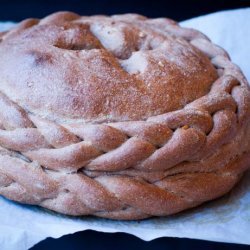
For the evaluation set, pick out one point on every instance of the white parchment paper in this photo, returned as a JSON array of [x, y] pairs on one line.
[[225, 220]]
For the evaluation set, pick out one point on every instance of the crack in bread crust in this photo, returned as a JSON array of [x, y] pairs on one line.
[[132, 169]]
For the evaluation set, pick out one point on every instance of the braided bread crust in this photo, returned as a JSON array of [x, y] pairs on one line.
[[141, 151]]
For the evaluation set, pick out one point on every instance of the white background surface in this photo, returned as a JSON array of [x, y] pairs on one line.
[[225, 220]]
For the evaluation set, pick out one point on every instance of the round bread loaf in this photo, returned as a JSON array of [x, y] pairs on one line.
[[121, 117]]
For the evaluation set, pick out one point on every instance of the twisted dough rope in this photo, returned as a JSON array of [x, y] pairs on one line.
[[82, 169]]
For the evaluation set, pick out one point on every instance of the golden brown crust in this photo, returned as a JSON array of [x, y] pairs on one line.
[[121, 117], [91, 68]]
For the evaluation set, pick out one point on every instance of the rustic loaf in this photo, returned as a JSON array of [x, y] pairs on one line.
[[121, 117]]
